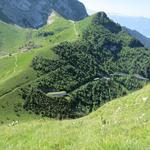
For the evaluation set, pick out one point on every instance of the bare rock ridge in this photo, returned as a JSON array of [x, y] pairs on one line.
[[34, 13]]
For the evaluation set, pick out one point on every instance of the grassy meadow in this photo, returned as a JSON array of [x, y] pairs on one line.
[[122, 124]]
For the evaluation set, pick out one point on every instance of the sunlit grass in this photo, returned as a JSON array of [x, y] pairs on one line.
[[120, 124]]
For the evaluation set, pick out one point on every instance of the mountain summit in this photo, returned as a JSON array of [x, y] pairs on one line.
[[34, 13]]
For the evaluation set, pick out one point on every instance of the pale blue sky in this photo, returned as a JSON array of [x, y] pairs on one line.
[[122, 7]]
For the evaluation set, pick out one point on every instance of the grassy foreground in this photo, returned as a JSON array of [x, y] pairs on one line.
[[122, 124]]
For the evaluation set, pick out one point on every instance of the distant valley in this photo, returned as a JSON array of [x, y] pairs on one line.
[[139, 24], [144, 40], [138, 27]]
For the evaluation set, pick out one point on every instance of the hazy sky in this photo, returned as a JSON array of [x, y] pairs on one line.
[[122, 7]]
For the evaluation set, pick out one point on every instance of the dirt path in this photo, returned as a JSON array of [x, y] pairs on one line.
[[74, 26], [16, 60], [5, 56]]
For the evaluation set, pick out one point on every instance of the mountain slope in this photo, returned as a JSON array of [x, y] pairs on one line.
[[16, 70], [105, 63], [143, 39], [35, 13], [121, 124], [11, 37]]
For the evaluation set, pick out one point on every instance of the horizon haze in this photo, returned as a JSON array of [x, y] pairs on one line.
[[125, 8]]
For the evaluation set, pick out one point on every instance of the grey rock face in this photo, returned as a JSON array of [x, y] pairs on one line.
[[70, 9], [34, 13]]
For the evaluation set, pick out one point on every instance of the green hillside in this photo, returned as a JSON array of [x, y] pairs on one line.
[[103, 64], [38, 44], [11, 37], [16, 70], [122, 124]]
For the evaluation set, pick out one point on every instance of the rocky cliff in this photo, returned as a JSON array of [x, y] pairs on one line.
[[34, 13]]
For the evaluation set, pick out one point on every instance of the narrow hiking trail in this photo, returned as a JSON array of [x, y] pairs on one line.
[[75, 30], [16, 60], [6, 56], [74, 26]]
